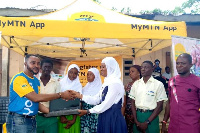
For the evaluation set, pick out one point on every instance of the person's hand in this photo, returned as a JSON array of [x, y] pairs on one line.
[[164, 128], [138, 124], [75, 94], [67, 95], [69, 124], [63, 119], [143, 126], [82, 112]]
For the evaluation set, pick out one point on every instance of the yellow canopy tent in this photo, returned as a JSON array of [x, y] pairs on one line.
[[88, 29]]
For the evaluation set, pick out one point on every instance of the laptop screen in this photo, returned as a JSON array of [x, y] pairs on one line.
[[60, 104]]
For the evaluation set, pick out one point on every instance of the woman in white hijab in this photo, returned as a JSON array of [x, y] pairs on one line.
[[89, 122], [70, 123], [109, 99]]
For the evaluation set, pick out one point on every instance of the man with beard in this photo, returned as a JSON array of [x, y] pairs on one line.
[[25, 98], [48, 85], [147, 96], [184, 99]]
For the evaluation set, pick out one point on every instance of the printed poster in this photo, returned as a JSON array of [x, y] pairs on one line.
[[187, 45]]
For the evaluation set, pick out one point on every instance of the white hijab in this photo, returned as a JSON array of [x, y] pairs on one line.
[[67, 84], [113, 72], [92, 88]]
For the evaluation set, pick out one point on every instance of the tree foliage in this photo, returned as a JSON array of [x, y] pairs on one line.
[[126, 10], [190, 6], [97, 1]]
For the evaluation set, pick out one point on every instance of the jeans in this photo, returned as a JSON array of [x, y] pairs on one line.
[[16, 123]]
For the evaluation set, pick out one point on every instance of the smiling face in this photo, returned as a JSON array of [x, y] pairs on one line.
[[72, 74], [103, 70], [90, 76], [33, 65], [183, 66]]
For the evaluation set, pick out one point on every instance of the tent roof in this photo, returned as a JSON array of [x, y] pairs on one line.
[[89, 26]]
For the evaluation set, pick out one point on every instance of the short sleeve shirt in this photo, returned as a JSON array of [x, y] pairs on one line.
[[146, 95], [53, 86], [20, 85]]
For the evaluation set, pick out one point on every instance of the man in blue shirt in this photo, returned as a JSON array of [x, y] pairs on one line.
[[25, 98]]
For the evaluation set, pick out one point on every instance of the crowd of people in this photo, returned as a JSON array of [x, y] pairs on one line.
[[108, 107]]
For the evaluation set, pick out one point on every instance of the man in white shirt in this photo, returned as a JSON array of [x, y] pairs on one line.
[[148, 95], [48, 85], [167, 73]]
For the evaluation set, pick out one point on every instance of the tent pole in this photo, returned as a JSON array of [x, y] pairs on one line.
[[5, 71]]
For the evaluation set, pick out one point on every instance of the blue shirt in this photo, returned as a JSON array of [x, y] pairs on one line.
[[20, 85]]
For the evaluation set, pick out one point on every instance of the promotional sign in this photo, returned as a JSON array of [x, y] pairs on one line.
[[187, 45], [86, 65]]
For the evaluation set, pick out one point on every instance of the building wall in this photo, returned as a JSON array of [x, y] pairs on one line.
[[160, 55], [193, 31], [16, 63]]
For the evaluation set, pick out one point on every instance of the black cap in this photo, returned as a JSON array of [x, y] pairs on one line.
[[157, 60]]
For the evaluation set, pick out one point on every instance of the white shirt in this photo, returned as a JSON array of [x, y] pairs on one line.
[[113, 96], [147, 95], [53, 86], [166, 75]]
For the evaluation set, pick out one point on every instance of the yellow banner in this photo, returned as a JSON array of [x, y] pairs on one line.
[[16, 26], [86, 65]]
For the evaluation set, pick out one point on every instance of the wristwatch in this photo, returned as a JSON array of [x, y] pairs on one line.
[[148, 122]]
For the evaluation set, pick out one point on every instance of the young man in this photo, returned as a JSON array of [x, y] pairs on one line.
[[48, 85], [157, 69], [147, 96], [25, 98], [167, 73], [184, 99]]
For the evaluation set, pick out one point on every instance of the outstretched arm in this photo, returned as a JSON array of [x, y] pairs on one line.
[[33, 96]]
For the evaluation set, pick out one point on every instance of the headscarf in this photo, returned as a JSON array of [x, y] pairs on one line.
[[67, 84], [113, 71], [92, 88]]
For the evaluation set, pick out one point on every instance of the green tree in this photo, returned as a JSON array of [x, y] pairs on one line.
[[114, 9], [126, 11], [157, 11], [190, 6], [146, 12], [97, 1]]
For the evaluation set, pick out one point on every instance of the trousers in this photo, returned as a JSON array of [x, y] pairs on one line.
[[16, 123]]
